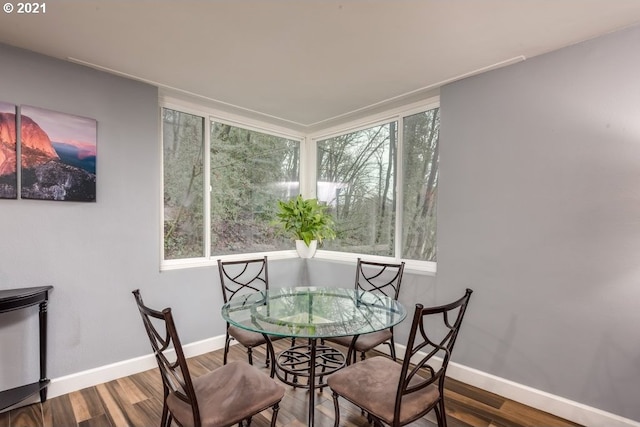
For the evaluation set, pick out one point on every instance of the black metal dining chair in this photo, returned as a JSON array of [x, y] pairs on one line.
[[240, 278], [376, 277], [398, 394], [221, 398]]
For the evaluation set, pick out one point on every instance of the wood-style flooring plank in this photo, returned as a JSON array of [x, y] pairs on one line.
[[149, 382], [464, 416], [533, 417], [148, 412], [58, 412], [100, 421], [86, 404], [196, 368], [27, 416], [138, 413], [503, 417], [211, 360], [132, 392], [112, 396], [475, 393], [5, 419]]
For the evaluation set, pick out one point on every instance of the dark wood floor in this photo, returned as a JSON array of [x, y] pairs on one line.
[[136, 401]]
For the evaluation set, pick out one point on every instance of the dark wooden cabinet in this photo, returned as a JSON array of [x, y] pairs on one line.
[[16, 299]]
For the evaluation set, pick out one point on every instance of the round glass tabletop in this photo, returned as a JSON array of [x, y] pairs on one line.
[[313, 312]]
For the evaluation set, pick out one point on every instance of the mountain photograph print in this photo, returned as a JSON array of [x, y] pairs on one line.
[[58, 155], [8, 162]]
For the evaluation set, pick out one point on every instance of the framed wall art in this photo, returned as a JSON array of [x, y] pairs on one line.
[[8, 150], [58, 155]]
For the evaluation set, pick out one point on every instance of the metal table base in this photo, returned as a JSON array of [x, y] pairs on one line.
[[294, 367]]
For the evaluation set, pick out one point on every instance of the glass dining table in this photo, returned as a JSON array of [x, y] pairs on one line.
[[310, 314]]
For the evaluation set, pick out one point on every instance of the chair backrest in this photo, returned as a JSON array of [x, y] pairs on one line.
[[242, 277], [433, 334], [169, 355], [378, 277]]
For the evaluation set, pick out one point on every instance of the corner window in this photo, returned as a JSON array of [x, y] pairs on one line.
[[222, 180]]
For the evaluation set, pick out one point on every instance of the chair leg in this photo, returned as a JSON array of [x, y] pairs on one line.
[[227, 340], [441, 415], [392, 347], [274, 416], [165, 421], [250, 355], [336, 408], [267, 361], [271, 358]]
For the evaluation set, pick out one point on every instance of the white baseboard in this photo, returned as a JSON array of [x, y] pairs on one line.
[[559, 406]]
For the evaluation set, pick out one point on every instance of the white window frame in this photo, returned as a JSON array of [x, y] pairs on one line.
[[308, 157]]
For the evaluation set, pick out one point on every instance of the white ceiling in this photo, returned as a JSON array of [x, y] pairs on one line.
[[306, 64]]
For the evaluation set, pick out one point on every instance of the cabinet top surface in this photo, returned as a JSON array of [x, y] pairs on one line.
[[11, 299], [23, 292]]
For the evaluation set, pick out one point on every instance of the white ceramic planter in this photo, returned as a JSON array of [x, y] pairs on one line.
[[305, 251]]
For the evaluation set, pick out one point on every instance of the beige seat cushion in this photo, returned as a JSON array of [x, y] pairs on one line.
[[249, 338], [228, 395], [372, 384], [365, 342], [246, 338]]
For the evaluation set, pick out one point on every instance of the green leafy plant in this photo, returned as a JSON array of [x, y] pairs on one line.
[[305, 219]]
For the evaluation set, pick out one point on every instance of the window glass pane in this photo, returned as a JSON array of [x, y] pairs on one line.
[[356, 174], [420, 167], [182, 139], [250, 171]]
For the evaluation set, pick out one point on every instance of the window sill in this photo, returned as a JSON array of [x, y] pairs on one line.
[[426, 268], [413, 266]]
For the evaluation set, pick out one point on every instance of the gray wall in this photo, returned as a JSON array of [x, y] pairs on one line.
[[539, 212]]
